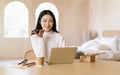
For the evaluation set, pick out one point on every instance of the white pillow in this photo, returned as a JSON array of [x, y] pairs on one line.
[[109, 41]]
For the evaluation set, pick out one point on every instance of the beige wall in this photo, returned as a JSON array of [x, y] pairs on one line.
[[73, 18], [104, 15]]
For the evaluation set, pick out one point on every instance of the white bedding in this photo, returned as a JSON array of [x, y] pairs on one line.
[[109, 45]]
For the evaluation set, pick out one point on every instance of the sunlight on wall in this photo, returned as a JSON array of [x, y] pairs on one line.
[[15, 20]]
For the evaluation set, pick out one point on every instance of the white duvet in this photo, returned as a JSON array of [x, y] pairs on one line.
[[102, 44]]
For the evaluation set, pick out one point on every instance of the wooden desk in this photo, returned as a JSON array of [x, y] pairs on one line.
[[77, 68]]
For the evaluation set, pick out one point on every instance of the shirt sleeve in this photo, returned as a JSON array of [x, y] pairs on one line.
[[38, 45]]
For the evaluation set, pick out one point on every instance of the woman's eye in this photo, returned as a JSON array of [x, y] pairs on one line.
[[44, 21], [50, 21]]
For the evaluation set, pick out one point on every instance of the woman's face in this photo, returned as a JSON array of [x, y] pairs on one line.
[[47, 22]]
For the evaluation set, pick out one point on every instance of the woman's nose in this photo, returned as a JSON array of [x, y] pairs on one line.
[[47, 23]]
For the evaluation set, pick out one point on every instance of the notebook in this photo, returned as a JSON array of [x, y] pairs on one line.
[[62, 55]]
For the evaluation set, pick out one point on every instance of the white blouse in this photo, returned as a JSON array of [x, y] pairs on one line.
[[42, 46]]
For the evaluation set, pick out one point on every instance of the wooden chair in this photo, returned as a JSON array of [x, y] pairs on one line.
[[29, 54]]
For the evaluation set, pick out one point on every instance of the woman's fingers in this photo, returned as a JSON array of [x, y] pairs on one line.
[[40, 34]]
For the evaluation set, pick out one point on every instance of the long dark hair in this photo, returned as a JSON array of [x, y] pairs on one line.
[[39, 27]]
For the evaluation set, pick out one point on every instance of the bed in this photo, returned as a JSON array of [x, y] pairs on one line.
[[109, 42]]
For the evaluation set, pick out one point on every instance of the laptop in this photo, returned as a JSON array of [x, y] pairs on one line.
[[63, 55]]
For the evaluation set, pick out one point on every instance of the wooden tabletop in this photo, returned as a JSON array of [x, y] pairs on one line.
[[77, 68]]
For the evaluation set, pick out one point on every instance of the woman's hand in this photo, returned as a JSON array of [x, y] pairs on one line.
[[40, 33]]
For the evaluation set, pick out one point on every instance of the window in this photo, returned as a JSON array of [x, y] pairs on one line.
[[15, 20], [47, 6]]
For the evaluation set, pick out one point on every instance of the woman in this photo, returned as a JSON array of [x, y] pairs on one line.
[[45, 36]]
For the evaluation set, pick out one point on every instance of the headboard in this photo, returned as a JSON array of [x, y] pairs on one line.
[[111, 33]]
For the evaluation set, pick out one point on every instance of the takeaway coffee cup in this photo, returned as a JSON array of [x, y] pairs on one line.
[[40, 61]]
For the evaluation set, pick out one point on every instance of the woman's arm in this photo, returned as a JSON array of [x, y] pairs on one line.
[[38, 45]]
